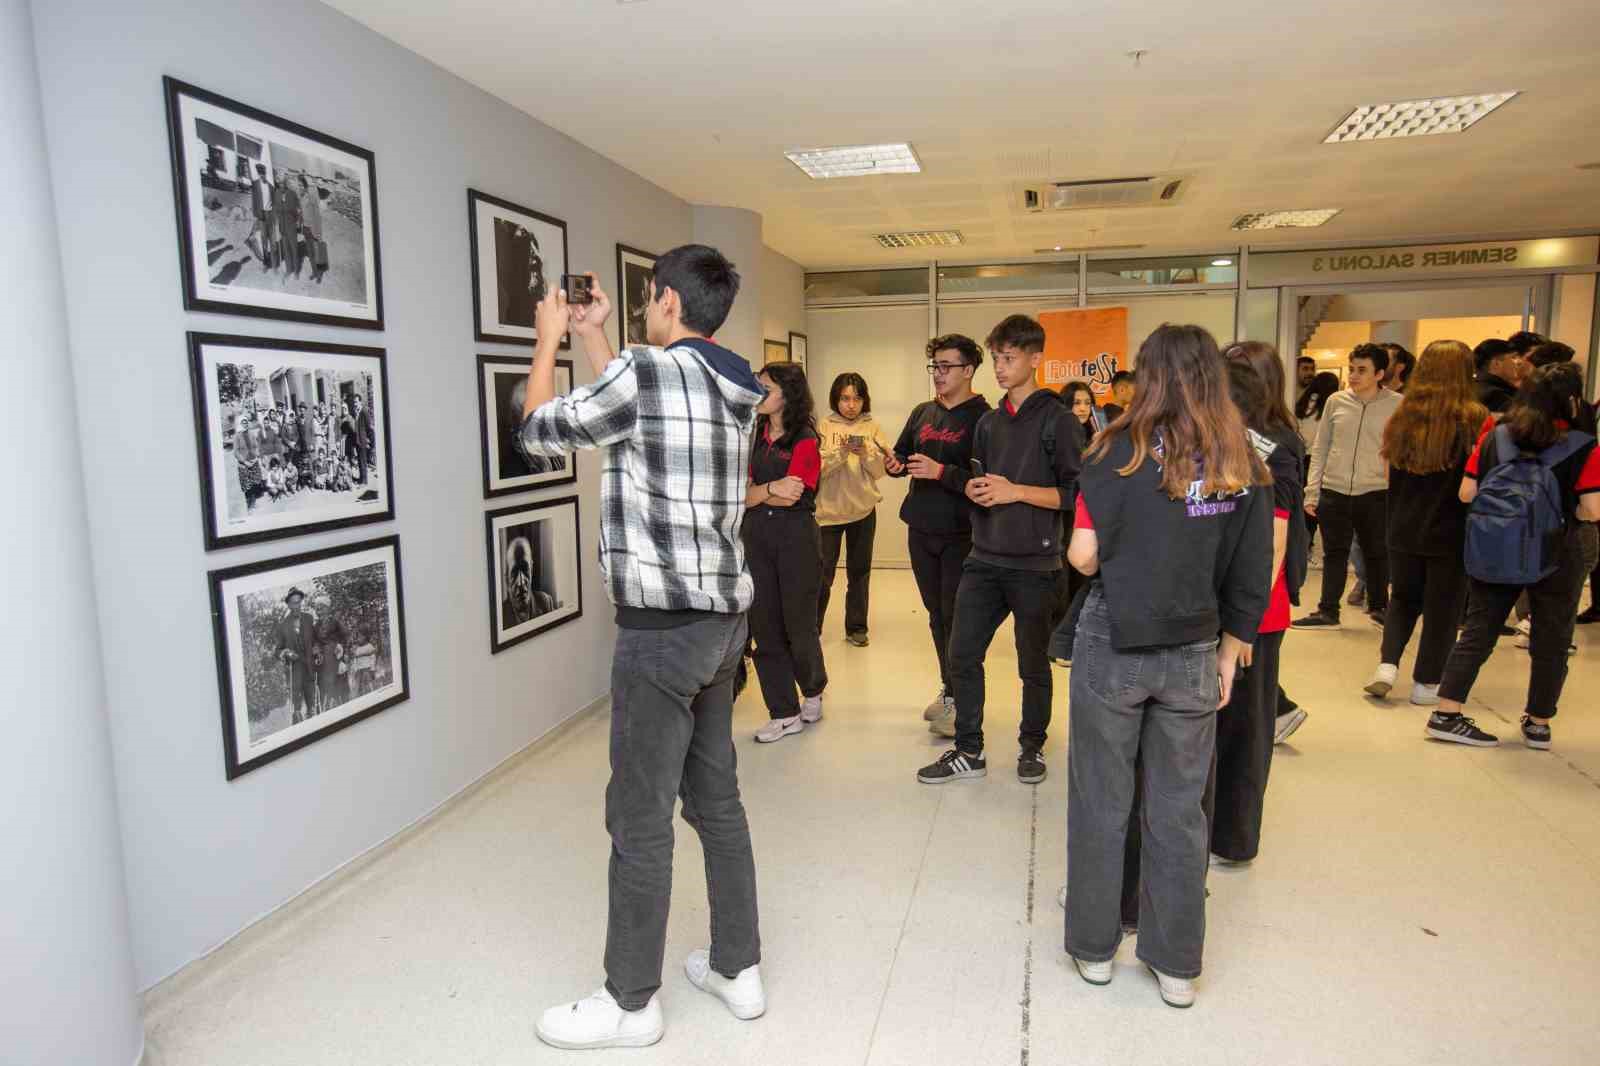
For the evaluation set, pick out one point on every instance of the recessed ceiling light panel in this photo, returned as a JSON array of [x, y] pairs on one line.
[[1285, 219], [924, 238], [856, 161], [1222, 262], [1415, 118]]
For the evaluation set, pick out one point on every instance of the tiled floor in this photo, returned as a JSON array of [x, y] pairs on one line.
[[1414, 902]]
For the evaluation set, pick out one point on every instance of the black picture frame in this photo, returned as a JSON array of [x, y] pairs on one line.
[[484, 331], [316, 309], [560, 614], [210, 448], [237, 763], [627, 256], [489, 436]]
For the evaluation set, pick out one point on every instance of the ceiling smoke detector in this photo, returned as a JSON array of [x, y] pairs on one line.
[[1415, 118], [1285, 219], [922, 238], [855, 161]]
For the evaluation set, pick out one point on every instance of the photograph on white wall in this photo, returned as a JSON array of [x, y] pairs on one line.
[[517, 254], [306, 646], [634, 270], [774, 351], [502, 394], [798, 345], [535, 582], [274, 219], [292, 437]]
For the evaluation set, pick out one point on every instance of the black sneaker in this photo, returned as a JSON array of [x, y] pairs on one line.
[[953, 765], [1534, 735], [1358, 595], [1588, 617], [858, 639], [1317, 620], [1459, 729], [1378, 617], [1030, 766]]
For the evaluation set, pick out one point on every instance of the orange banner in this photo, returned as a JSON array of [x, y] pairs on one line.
[[1085, 344]]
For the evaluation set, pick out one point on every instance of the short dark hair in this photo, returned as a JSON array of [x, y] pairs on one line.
[[1488, 351], [1304, 359], [1122, 376], [1525, 340], [971, 354], [1402, 361], [1551, 352], [848, 380], [1372, 353], [706, 284], [1019, 332]]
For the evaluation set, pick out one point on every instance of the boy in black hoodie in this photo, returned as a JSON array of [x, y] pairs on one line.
[[1026, 456]]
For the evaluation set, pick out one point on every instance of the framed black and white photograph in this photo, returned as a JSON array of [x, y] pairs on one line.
[[774, 351], [517, 255], [306, 646], [534, 580], [797, 348], [502, 390], [633, 293], [292, 437], [274, 219]]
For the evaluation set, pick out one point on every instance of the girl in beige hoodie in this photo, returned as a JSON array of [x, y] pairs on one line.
[[853, 447]]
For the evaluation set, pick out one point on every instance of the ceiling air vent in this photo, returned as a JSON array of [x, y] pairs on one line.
[[1148, 191]]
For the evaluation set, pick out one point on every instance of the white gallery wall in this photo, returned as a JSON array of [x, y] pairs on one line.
[[204, 857]]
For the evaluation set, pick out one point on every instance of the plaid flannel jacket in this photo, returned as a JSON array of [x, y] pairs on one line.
[[677, 439]]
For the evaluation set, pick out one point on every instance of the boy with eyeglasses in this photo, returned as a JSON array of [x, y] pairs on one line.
[[1030, 450], [934, 450]]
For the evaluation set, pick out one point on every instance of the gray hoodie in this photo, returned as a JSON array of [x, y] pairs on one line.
[[1345, 456]]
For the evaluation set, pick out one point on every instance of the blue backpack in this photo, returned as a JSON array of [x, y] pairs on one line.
[[1516, 523]]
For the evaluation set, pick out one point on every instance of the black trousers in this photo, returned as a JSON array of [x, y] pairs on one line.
[[784, 557], [1430, 587], [856, 538], [989, 593], [1237, 794], [1363, 518], [936, 562], [1553, 605]]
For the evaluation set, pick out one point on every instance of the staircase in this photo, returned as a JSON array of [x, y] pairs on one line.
[[1312, 311]]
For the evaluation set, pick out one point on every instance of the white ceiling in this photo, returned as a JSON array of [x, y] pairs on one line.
[[703, 97]]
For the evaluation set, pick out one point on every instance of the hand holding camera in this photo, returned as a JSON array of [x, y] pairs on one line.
[[587, 301]]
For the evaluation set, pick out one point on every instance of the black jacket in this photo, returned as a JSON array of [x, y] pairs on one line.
[[1285, 453], [1495, 393], [1042, 445], [1177, 571], [945, 436]]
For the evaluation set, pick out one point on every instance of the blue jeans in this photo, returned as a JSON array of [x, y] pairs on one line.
[[671, 736], [1157, 706]]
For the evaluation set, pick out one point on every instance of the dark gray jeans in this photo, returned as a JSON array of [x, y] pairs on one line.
[[1161, 703], [672, 735]]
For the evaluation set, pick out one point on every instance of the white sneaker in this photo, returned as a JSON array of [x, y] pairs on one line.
[[1175, 991], [744, 995], [1286, 724], [941, 703], [1424, 695], [1525, 628], [1096, 973], [778, 728], [1382, 680], [945, 724], [811, 709], [598, 1022]]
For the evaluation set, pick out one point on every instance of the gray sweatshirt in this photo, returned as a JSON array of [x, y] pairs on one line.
[[1344, 457]]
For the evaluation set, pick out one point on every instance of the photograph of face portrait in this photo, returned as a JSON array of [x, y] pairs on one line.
[[634, 269], [517, 254], [534, 579], [502, 390]]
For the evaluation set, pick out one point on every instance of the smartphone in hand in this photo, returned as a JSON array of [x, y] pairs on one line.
[[977, 467]]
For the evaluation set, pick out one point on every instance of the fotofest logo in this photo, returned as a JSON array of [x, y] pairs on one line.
[[1097, 371]]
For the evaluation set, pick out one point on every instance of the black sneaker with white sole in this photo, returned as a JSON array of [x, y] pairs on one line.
[[1534, 735], [953, 765], [1030, 766], [1317, 620], [1459, 729]]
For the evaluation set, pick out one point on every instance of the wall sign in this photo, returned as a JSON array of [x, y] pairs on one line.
[[1085, 344], [1420, 261]]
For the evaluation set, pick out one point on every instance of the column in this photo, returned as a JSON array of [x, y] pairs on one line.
[[736, 233], [65, 957]]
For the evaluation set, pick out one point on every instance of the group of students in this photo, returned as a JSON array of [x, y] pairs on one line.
[[1184, 518]]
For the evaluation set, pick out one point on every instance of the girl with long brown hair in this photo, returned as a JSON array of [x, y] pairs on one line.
[[1426, 444], [1174, 523]]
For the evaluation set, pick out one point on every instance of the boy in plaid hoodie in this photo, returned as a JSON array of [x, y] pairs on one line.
[[675, 419]]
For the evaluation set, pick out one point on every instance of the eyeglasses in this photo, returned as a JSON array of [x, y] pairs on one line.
[[944, 368]]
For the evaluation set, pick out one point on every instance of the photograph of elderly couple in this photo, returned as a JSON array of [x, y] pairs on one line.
[[309, 644], [293, 436], [276, 219]]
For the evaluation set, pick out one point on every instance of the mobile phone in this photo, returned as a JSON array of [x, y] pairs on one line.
[[577, 286], [855, 440], [977, 467]]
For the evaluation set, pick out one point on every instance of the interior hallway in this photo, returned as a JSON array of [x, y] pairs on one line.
[[1414, 903]]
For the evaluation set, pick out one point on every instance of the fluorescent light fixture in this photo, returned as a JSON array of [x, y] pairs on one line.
[[856, 161], [1222, 262], [1285, 219], [1415, 118], [923, 238]]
